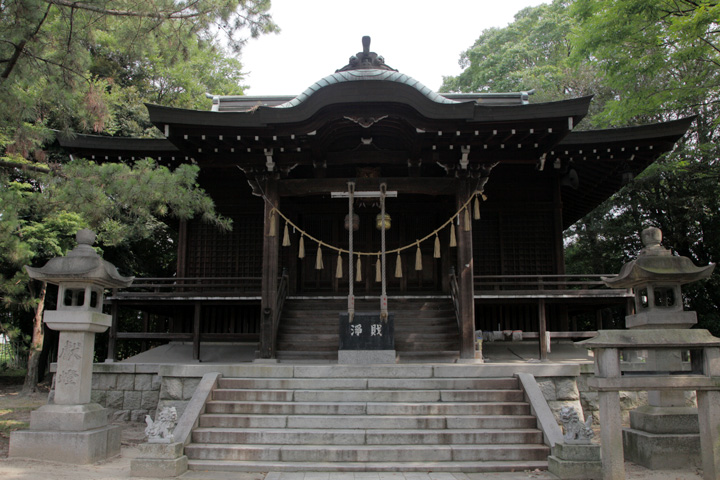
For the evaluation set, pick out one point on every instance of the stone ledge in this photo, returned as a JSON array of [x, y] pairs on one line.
[[78, 448]]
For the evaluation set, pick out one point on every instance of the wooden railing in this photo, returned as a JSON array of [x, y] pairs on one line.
[[189, 287], [538, 286]]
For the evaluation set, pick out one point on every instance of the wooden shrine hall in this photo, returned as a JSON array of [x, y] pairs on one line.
[[478, 190]]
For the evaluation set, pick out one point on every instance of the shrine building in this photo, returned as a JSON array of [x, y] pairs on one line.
[[477, 190]]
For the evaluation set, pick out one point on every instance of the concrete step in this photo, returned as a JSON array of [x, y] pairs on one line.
[[500, 383], [286, 436], [369, 395], [367, 453], [407, 422], [370, 408], [266, 466]]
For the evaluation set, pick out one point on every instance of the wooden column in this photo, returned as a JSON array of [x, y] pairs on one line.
[[269, 272], [196, 332], [465, 277], [112, 335], [542, 330], [182, 249]]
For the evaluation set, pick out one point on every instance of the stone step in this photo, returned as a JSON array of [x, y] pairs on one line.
[[266, 466], [370, 408], [286, 408], [500, 383], [367, 453], [369, 395], [285, 436], [368, 421]]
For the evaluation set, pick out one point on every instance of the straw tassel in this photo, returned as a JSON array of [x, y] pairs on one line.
[[467, 220], [453, 241], [318, 259], [301, 248], [398, 267], [273, 231], [338, 271], [358, 270], [418, 258], [436, 251], [476, 212], [286, 237], [378, 270]]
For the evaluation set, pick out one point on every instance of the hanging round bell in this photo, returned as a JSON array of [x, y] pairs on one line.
[[355, 222], [379, 221]]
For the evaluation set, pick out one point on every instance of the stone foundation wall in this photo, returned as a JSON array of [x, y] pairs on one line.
[[131, 391], [574, 392], [177, 392], [128, 391]]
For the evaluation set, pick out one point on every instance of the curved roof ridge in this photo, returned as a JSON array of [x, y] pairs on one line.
[[367, 75]]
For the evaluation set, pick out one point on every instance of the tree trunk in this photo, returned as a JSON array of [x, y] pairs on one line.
[[31, 378]]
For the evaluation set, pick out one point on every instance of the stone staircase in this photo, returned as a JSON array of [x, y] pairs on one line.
[[357, 418], [425, 328]]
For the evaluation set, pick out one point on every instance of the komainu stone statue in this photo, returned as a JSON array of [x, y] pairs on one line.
[[161, 430], [576, 432]]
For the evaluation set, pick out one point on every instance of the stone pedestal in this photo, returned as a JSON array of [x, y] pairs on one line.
[[663, 438], [159, 460], [367, 339], [89, 446], [569, 461]]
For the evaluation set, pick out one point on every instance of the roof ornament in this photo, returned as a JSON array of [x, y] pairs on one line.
[[366, 60]]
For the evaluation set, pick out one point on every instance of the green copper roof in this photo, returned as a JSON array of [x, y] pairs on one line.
[[366, 75]]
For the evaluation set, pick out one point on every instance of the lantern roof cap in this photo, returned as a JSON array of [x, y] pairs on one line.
[[656, 264], [82, 264]]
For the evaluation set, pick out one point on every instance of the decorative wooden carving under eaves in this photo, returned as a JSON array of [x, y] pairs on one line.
[[365, 122], [366, 60]]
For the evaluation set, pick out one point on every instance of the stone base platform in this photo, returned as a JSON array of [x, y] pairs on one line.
[[84, 447], [159, 460], [366, 357], [662, 451], [575, 462]]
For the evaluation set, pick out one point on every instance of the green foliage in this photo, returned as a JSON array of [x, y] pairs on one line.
[[660, 58], [645, 61], [90, 67]]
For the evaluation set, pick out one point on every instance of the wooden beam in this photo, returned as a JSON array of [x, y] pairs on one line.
[[269, 270], [465, 276], [112, 336], [317, 186]]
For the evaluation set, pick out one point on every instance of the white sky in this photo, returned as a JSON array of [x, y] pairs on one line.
[[420, 38]]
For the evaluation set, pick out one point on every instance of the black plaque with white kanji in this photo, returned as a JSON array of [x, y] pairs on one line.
[[367, 332]]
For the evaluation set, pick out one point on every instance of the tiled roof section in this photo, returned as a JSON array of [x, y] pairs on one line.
[[366, 75]]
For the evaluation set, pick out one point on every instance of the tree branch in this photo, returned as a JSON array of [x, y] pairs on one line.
[[20, 48], [177, 15], [35, 167]]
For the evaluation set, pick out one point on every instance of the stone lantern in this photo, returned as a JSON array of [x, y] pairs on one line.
[[72, 429], [656, 276], [658, 353]]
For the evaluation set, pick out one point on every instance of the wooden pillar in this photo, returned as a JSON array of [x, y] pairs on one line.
[[196, 332], [112, 335], [269, 272], [542, 330], [182, 249], [465, 277]]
